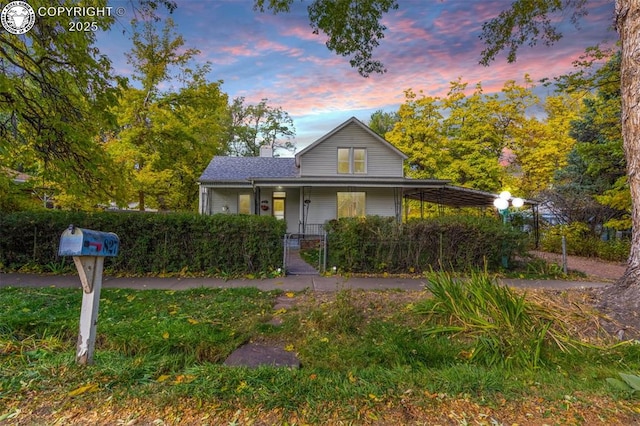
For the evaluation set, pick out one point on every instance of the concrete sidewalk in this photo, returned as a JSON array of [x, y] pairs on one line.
[[288, 283]]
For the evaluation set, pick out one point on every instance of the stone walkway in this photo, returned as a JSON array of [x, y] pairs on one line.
[[297, 266], [255, 354]]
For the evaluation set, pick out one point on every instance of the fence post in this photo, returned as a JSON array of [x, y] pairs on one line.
[[564, 254]]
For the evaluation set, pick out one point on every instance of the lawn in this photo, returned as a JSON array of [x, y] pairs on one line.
[[389, 357]]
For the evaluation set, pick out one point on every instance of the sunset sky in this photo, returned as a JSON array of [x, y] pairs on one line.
[[428, 43]]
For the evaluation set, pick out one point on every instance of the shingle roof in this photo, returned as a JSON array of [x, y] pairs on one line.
[[243, 168]]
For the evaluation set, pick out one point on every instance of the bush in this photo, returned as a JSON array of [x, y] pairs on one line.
[[378, 244], [150, 243], [582, 242]]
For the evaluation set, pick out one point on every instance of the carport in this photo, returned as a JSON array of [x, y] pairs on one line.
[[458, 197]]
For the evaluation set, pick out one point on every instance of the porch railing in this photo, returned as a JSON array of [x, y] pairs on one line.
[[311, 228]]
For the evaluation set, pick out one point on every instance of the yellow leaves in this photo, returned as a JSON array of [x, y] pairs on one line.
[[290, 295], [184, 378], [289, 348], [173, 309], [180, 379], [242, 386], [165, 335], [466, 354], [131, 298], [91, 387], [193, 321], [352, 378]]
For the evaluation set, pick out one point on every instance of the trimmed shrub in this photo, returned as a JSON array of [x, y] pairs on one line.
[[582, 242], [150, 243], [378, 244]]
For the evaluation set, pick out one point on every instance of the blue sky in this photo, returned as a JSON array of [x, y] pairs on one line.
[[428, 43]]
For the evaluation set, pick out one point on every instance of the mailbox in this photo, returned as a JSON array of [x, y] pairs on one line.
[[85, 242], [88, 248]]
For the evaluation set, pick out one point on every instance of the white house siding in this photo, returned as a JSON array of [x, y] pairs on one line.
[[292, 205], [323, 206], [322, 159]]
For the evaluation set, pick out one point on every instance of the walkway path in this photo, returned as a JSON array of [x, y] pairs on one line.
[[288, 283], [297, 266], [594, 268]]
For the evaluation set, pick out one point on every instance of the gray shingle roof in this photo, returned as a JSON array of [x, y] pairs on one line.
[[242, 168]]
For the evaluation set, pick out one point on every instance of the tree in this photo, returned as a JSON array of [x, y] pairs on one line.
[[542, 147], [418, 134], [251, 127], [382, 122], [353, 28], [55, 99], [55, 89], [167, 138]]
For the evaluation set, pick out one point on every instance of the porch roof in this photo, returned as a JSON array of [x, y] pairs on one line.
[[427, 190]]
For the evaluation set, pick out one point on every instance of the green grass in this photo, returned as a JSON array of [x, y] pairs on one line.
[[160, 347]]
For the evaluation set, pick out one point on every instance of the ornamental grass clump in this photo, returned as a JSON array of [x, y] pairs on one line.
[[501, 327]]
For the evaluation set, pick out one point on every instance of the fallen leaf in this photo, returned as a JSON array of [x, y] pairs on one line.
[[91, 387], [165, 335]]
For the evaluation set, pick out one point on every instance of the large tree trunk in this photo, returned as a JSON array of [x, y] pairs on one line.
[[622, 300], [628, 26]]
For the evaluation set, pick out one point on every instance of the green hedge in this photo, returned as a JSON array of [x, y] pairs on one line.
[[377, 244], [582, 242], [150, 243]]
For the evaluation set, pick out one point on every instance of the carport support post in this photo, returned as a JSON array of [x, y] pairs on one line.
[[90, 271]]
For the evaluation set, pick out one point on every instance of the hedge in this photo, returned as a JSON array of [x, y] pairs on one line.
[[150, 243], [379, 244], [582, 242]]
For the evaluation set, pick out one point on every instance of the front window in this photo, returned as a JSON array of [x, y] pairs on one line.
[[343, 160], [351, 204], [359, 160], [352, 160]]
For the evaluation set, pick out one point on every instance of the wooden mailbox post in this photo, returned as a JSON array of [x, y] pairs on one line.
[[88, 248]]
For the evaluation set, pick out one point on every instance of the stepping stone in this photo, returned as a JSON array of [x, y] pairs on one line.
[[284, 302], [255, 355]]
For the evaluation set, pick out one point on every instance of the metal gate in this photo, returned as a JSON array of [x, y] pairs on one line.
[[315, 244]]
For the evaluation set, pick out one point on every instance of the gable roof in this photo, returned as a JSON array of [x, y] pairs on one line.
[[237, 169], [366, 128]]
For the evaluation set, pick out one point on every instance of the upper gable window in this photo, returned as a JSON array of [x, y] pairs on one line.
[[352, 160]]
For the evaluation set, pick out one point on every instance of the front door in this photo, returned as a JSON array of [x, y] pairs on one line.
[[279, 204]]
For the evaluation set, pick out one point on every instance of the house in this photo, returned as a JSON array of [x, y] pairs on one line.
[[350, 171]]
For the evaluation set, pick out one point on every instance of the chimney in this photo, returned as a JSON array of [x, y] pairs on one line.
[[266, 151]]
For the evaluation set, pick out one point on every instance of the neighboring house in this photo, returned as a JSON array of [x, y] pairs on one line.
[[351, 171]]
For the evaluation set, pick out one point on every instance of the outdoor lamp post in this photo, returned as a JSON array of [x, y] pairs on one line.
[[502, 204]]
